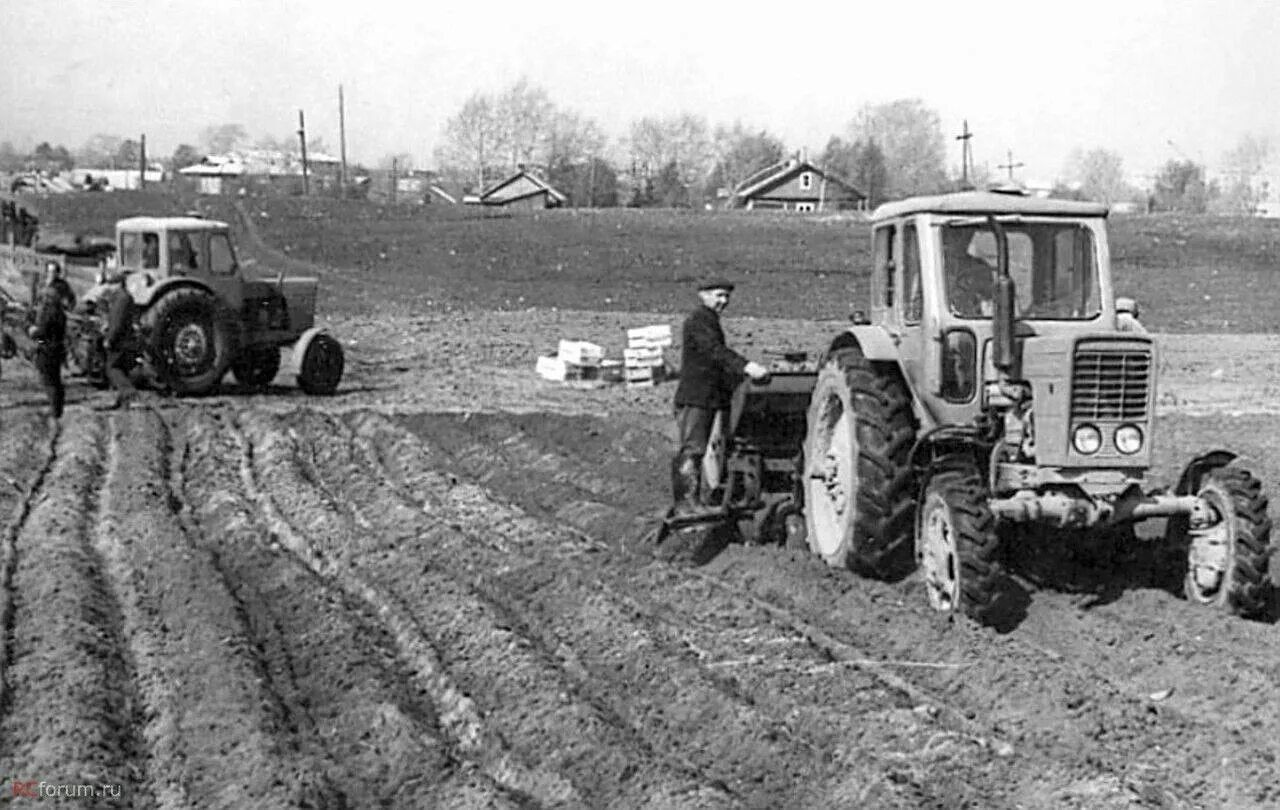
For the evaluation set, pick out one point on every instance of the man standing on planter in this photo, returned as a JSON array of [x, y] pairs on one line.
[[709, 372]]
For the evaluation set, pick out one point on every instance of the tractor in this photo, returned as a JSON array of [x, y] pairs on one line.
[[996, 393], [199, 313]]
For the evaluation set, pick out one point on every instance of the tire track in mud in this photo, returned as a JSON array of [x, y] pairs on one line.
[[348, 699], [649, 664], [1090, 731], [21, 451], [73, 694], [315, 531]]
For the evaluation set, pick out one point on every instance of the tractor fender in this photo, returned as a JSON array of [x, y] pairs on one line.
[[298, 349], [876, 343], [1193, 474], [146, 290]]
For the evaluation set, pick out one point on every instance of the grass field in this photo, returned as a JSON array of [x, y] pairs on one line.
[[1189, 274]]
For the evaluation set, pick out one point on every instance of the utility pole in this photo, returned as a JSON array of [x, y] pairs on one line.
[[142, 161], [1011, 165], [302, 139], [395, 170], [342, 143], [966, 153]]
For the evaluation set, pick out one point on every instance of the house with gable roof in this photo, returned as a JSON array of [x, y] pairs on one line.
[[796, 184], [523, 190]]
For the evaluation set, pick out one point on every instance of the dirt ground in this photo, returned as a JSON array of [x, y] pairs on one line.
[[432, 591]]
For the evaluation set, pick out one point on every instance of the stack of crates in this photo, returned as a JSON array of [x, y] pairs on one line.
[[576, 361], [644, 358]]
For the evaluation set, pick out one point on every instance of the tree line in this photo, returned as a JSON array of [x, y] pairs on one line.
[[887, 151]]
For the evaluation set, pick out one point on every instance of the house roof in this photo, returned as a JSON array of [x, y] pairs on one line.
[[538, 182], [988, 202], [779, 173]]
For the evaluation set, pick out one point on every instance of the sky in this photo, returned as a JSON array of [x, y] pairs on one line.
[[1152, 80]]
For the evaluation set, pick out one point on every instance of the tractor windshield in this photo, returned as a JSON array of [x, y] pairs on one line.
[[1053, 265]]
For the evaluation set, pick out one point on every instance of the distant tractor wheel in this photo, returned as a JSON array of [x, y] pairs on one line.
[[321, 367], [957, 545], [1227, 563], [190, 340], [859, 500], [256, 366]]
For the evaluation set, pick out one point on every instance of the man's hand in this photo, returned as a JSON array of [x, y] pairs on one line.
[[757, 372]]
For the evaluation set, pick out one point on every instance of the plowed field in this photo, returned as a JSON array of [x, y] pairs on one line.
[[432, 591]]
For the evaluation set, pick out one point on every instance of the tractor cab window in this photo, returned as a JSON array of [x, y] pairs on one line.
[[912, 287], [140, 250], [884, 263], [1051, 264], [222, 262], [183, 254]]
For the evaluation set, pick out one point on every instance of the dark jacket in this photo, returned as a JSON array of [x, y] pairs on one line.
[[709, 370], [119, 319], [51, 320]]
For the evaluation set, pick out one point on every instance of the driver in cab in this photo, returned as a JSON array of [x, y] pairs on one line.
[[969, 278]]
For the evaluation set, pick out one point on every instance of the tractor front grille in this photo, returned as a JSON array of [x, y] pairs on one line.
[[1110, 383]]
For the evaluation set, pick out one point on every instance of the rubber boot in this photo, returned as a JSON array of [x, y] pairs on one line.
[[690, 481]]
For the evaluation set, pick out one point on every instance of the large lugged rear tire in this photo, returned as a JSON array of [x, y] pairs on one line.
[[858, 489], [1227, 565], [190, 340], [322, 365], [957, 545]]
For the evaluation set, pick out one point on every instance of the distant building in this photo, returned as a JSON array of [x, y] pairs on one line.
[[521, 190], [796, 185]]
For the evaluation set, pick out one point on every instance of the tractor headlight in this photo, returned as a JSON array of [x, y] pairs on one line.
[[1128, 439], [1087, 440]]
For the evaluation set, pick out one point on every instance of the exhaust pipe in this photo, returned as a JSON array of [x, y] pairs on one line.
[[1004, 294]]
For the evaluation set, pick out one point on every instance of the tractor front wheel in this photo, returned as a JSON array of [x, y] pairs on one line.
[[1227, 563], [957, 545], [321, 366]]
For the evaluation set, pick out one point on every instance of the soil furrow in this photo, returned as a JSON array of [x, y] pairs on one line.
[[26, 455], [73, 685], [347, 696], [596, 613], [267, 475], [1110, 725], [214, 726], [531, 698]]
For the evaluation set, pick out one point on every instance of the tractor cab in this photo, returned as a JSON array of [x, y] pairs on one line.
[[151, 250]]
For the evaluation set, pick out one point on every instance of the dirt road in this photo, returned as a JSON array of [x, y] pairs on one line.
[[430, 591]]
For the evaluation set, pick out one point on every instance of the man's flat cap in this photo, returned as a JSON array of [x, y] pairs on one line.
[[715, 283]]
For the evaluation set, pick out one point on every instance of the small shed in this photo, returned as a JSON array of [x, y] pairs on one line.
[[523, 190], [796, 185]]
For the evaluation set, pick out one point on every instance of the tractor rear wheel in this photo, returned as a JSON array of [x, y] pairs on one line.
[[859, 499], [321, 366], [256, 366], [190, 340], [957, 545], [1227, 563]]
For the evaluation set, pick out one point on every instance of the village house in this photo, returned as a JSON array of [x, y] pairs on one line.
[[798, 185], [522, 190]]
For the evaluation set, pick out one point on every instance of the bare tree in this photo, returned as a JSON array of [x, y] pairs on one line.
[[222, 138], [1244, 169], [99, 151], [909, 135], [473, 141], [680, 140], [526, 114], [1098, 174]]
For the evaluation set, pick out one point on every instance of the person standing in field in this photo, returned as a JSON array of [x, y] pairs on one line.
[[118, 340], [50, 334], [709, 372]]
